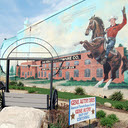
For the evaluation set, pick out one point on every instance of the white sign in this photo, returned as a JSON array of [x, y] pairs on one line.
[[82, 109]]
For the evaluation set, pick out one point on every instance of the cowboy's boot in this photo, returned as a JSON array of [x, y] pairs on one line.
[[90, 55]]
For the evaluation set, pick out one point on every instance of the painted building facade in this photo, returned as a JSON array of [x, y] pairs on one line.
[[76, 65]]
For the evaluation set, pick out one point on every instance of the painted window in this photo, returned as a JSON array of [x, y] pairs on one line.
[[59, 64], [45, 65], [31, 73], [67, 63], [117, 73], [49, 76], [42, 74], [28, 73], [54, 65], [49, 65], [67, 75], [45, 74], [87, 62], [99, 72], [87, 73], [54, 72], [76, 62], [38, 74], [60, 73], [22, 73], [76, 73]]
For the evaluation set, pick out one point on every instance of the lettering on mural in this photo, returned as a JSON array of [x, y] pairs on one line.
[[69, 58]]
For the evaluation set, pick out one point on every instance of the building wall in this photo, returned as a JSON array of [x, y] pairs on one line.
[[43, 70]]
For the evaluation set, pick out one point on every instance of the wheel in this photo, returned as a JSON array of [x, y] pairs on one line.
[[54, 99]]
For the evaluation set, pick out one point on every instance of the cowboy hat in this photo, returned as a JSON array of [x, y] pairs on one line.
[[115, 17]]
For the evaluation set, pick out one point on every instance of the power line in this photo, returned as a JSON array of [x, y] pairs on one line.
[[54, 15]]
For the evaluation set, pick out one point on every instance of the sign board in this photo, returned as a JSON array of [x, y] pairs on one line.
[[56, 68], [82, 109], [68, 58]]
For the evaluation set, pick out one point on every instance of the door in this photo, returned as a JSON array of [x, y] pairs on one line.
[[67, 76]]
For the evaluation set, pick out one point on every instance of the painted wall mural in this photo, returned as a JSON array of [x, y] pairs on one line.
[[83, 26]]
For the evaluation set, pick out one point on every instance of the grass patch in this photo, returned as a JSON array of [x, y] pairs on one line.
[[87, 83], [44, 81], [67, 95]]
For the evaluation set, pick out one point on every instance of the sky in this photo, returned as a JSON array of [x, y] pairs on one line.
[[65, 29], [14, 12]]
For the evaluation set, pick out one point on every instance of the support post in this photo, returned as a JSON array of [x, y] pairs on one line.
[[7, 75], [51, 82], [89, 123]]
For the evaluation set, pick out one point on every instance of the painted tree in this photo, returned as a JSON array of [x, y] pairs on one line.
[[12, 70]]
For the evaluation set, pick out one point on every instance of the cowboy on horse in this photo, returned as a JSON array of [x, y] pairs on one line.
[[98, 50], [112, 32]]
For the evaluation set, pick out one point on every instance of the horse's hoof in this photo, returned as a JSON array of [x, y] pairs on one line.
[[105, 88]]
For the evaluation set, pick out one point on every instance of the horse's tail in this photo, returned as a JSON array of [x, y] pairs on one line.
[[125, 64]]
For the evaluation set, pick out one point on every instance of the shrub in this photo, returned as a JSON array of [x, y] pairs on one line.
[[31, 91], [116, 96], [30, 78], [20, 84], [106, 122], [126, 108], [93, 79], [71, 79], [79, 91], [113, 117], [119, 106], [13, 83], [98, 104], [100, 114], [58, 118]]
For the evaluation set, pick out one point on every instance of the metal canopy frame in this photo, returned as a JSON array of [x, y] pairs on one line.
[[51, 59]]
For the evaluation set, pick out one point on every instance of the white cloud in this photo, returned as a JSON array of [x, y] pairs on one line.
[[54, 6], [3, 36]]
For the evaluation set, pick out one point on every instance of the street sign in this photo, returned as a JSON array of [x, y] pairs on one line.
[[82, 109]]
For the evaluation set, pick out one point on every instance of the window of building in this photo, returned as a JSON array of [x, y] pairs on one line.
[[60, 73], [28, 73], [49, 76], [59, 64], [22, 73], [99, 72], [54, 72], [54, 65], [87, 62], [38, 74], [117, 73], [45, 74], [67, 64], [49, 65], [76, 63], [42, 74], [45, 65], [76, 73], [87, 73], [31, 73]]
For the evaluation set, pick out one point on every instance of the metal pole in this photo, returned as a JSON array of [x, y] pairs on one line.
[[89, 124], [7, 75], [51, 82]]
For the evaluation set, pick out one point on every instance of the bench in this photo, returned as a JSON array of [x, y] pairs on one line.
[[40, 101]]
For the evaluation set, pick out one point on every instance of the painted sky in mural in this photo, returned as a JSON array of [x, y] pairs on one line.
[[68, 27]]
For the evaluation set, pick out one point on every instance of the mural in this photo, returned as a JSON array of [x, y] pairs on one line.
[[71, 26]]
